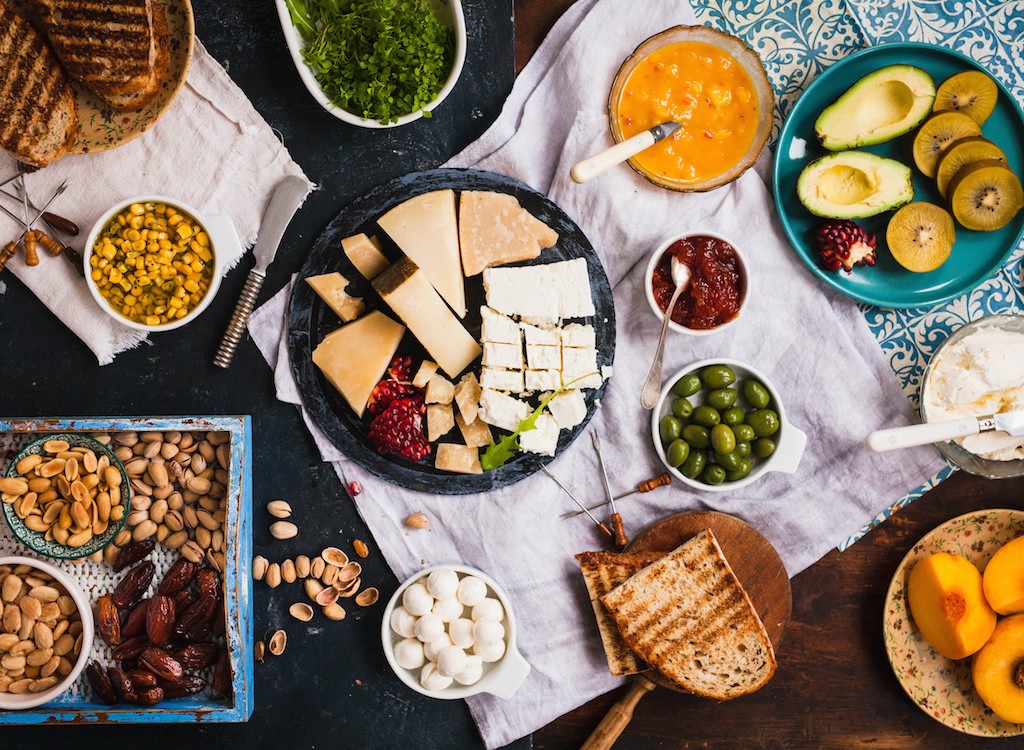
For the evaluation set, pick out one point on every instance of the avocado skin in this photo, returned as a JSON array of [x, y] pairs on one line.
[[890, 178], [919, 96]]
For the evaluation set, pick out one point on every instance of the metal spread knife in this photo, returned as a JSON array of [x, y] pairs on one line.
[[1011, 422], [285, 201]]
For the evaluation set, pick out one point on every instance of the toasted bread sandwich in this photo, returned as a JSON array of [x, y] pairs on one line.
[[38, 116], [688, 616], [603, 571]]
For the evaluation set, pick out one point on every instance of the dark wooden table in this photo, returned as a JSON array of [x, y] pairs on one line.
[[834, 687]]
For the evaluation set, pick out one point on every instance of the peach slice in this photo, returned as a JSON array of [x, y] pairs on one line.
[[1004, 578], [948, 604], [998, 670]]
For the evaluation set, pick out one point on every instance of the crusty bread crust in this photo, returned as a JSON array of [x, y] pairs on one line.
[[162, 44], [689, 616]]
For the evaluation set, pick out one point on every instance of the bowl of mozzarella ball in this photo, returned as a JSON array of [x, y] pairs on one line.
[[449, 632]]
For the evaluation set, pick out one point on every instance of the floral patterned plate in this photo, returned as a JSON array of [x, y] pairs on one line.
[[942, 687], [101, 127]]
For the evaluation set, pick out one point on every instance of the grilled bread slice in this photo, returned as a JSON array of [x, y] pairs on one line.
[[688, 615], [161, 39], [603, 571], [38, 116]]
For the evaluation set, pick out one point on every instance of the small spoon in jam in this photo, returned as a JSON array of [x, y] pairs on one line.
[[652, 386]]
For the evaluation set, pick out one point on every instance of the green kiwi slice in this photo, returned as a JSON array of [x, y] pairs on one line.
[[965, 151], [935, 136], [972, 92], [920, 236], [985, 195]]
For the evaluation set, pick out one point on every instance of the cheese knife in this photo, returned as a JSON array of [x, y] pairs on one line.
[[599, 163], [1011, 422], [619, 531], [285, 201]]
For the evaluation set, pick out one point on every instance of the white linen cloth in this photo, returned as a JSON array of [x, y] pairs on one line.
[[812, 343], [210, 149]]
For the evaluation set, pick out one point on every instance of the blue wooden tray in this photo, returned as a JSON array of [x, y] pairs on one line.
[[76, 706]]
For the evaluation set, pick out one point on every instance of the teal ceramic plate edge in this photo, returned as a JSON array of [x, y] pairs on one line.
[[237, 580], [976, 255]]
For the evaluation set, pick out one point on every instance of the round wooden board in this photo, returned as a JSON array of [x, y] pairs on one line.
[[751, 556]]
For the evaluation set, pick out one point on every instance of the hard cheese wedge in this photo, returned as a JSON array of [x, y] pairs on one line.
[[365, 254], [331, 289], [494, 229], [425, 229], [355, 356], [405, 288]]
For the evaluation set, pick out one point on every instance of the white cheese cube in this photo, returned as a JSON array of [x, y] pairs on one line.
[[593, 380], [543, 380], [543, 439], [578, 336], [543, 357], [577, 362], [502, 411], [498, 379], [568, 408], [541, 294], [509, 356], [497, 328], [540, 336]]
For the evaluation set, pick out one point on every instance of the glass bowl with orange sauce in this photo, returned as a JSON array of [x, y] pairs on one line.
[[714, 86]]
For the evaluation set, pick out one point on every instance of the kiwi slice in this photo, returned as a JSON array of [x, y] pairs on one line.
[[920, 236], [985, 195], [965, 151], [971, 92], [935, 136]]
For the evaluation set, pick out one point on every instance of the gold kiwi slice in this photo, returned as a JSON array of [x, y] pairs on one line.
[[971, 92], [985, 195], [965, 151], [920, 236], [935, 136]]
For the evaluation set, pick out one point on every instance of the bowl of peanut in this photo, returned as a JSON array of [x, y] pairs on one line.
[[46, 632], [154, 263], [65, 496]]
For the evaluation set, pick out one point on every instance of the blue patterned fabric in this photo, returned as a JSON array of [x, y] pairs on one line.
[[798, 39]]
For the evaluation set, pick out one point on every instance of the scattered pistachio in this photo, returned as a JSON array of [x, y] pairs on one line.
[[334, 612], [302, 566], [278, 641], [259, 651], [279, 509], [301, 611], [327, 596], [334, 556], [288, 571], [313, 587], [416, 521], [259, 567], [367, 597], [283, 530], [360, 547], [273, 577]]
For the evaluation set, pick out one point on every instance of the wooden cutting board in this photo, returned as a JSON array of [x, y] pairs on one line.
[[757, 566]]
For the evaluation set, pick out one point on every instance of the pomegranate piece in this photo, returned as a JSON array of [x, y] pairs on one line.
[[401, 368], [399, 430], [843, 244], [387, 391]]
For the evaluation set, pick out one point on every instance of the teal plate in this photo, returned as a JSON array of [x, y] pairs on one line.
[[976, 255]]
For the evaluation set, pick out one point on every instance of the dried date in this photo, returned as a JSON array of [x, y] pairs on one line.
[[194, 622], [130, 649], [221, 682], [149, 696], [197, 655], [160, 619], [136, 581], [178, 577], [122, 684], [208, 583], [108, 621], [132, 553], [183, 600], [187, 685], [135, 623], [142, 679], [162, 664], [100, 683]]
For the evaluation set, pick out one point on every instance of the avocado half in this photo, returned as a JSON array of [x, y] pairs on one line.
[[854, 185], [879, 107]]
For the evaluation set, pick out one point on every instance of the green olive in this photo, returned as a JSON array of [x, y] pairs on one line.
[[728, 461], [682, 407], [740, 473], [763, 448], [744, 433], [713, 474], [677, 452], [697, 436], [670, 428], [756, 394], [717, 376], [722, 398], [733, 416], [764, 421], [722, 439], [705, 415], [694, 464], [687, 385], [743, 449]]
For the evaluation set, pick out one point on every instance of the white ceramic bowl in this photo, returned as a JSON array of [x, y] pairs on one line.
[[11, 702], [790, 441], [501, 678], [449, 11], [223, 238], [653, 263]]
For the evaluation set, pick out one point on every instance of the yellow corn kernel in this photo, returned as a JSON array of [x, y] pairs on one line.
[[96, 274], [191, 285], [174, 219], [175, 303], [137, 209], [137, 222], [151, 320], [181, 313], [108, 252], [115, 275]]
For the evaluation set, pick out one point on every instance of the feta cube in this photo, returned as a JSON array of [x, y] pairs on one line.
[[578, 362], [543, 357], [543, 439], [541, 336], [501, 410], [591, 380], [568, 408], [497, 328], [509, 356], [541, 294], [498, 379], [543, 380], [578, 336]]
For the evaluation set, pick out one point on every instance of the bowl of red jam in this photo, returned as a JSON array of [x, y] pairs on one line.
[[718, 288]]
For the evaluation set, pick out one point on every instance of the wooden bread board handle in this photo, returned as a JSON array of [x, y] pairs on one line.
[[618, 716]]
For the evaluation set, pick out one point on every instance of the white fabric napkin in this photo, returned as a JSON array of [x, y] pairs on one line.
[[211, 149], [812, 343]]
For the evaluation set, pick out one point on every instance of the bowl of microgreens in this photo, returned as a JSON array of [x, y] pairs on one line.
[[376, 63]]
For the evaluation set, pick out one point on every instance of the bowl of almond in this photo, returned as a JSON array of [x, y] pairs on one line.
[[46, 632]]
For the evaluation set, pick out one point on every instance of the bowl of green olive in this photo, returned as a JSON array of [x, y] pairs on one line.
[[720, 425]]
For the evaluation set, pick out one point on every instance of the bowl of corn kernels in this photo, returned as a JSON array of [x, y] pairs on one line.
[[154, 263]]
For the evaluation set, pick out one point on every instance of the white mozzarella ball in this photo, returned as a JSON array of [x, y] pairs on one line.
[[451, 661], [417, 599], [488, 631], [461, 632], [409, 653], [429, 628], [489, 651], [473, 672], [435, 647], [431, 679], [490, 609], [471, 590], [443, 584], [403, 622], [448, 609]]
